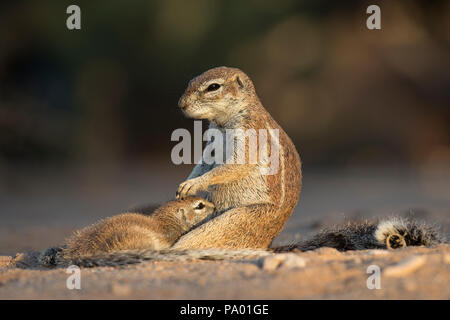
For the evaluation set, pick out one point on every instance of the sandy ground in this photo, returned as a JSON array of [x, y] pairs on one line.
[[41, 211], [412, 273]]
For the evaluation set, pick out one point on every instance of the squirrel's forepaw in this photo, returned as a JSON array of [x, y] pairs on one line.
[[190, 188]]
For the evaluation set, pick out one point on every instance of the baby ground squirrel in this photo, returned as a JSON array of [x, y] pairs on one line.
[[253, 206], [129, 231]]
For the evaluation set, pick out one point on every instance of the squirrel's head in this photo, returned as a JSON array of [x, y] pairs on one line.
[[194, 210], [217, 95]]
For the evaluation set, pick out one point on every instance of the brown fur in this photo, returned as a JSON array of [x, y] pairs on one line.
[[128, 231], [254, 206]]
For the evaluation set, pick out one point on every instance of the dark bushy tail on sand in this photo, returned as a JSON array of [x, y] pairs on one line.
[[391, 233]]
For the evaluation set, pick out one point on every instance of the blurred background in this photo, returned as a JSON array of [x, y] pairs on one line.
[[86, 115]]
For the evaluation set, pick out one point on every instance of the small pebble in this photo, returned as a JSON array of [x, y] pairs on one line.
[[405, 267], [327, 250], [270, 263], [283, 260], [293, 261], [378, 252]]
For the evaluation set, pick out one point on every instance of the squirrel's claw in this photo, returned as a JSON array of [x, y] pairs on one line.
[[189, 188]]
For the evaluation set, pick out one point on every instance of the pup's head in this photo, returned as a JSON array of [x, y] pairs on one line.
[[194, 210], [217, 95]]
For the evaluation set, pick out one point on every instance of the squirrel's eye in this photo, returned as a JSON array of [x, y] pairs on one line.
[[200, 206], [213, 87]]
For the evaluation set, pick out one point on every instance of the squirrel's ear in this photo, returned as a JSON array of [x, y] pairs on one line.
[[181, 214], [239, 82]]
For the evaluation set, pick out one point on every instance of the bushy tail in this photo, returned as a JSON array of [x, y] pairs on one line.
[[391, 233]]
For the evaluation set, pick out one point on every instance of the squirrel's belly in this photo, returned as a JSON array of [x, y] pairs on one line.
[[249, 190]]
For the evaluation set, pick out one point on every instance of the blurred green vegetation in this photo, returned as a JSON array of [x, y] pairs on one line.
[[109, 91]]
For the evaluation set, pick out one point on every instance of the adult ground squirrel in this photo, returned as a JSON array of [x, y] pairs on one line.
[[253, 206], [129, 231]]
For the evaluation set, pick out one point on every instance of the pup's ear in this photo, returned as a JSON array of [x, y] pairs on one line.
[[181, 214]]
